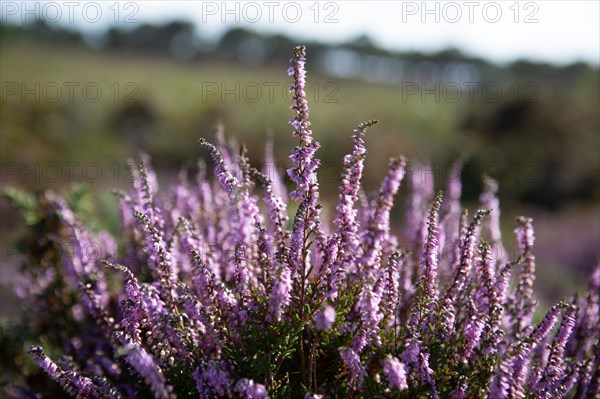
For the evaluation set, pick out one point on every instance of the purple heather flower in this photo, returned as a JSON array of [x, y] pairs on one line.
[[555, 368], [520, 362], [212, 378], [346, 219], [472, 333], [501, 288], [501, 383], [348, 191], [426, 373], [570, 377], [458, 239], [258, 391], [583, 336], [208, 287], [453, 189], [377, 233], [587, 387], [391, 292], [465, 266], [45, 362], [160, 260], [524, 303], [280, 294], [485, 296], [83, 386], [150, 180], [430, 257], [244, 274], [146, 367], [395, 371], [71, 381], [204, 332], [297, 241], [489, 200], [411, 352], [461, 391], [277, 212], [272, 172], [304, 171], [421, 191], [450, 221], [82, 251], [224, 147], [335, 271], [228, 181], [135, 311], [370, 314], [325, 318], [248, 389], [355, 367], [145, 187], [329, 272]]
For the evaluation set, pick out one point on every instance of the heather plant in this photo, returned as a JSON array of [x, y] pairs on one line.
[[229, 287]]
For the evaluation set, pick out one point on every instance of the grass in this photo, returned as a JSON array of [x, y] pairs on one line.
[[184, 111]]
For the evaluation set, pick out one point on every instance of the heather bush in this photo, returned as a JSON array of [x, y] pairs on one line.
[[229, 287]]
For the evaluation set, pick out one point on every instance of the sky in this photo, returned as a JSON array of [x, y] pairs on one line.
[[559, 32]]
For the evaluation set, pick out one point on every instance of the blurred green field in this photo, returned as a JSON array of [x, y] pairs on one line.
[[179, 111]]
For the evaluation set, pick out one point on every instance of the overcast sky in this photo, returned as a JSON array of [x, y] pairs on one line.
[[553, 31]]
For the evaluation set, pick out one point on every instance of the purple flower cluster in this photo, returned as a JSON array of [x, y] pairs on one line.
[[219, 296], [395, 371]]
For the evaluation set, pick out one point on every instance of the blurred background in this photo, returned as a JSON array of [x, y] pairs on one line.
[[511, 89]]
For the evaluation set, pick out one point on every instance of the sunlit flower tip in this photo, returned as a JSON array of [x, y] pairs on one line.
[[395, 371], [325, 318]]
